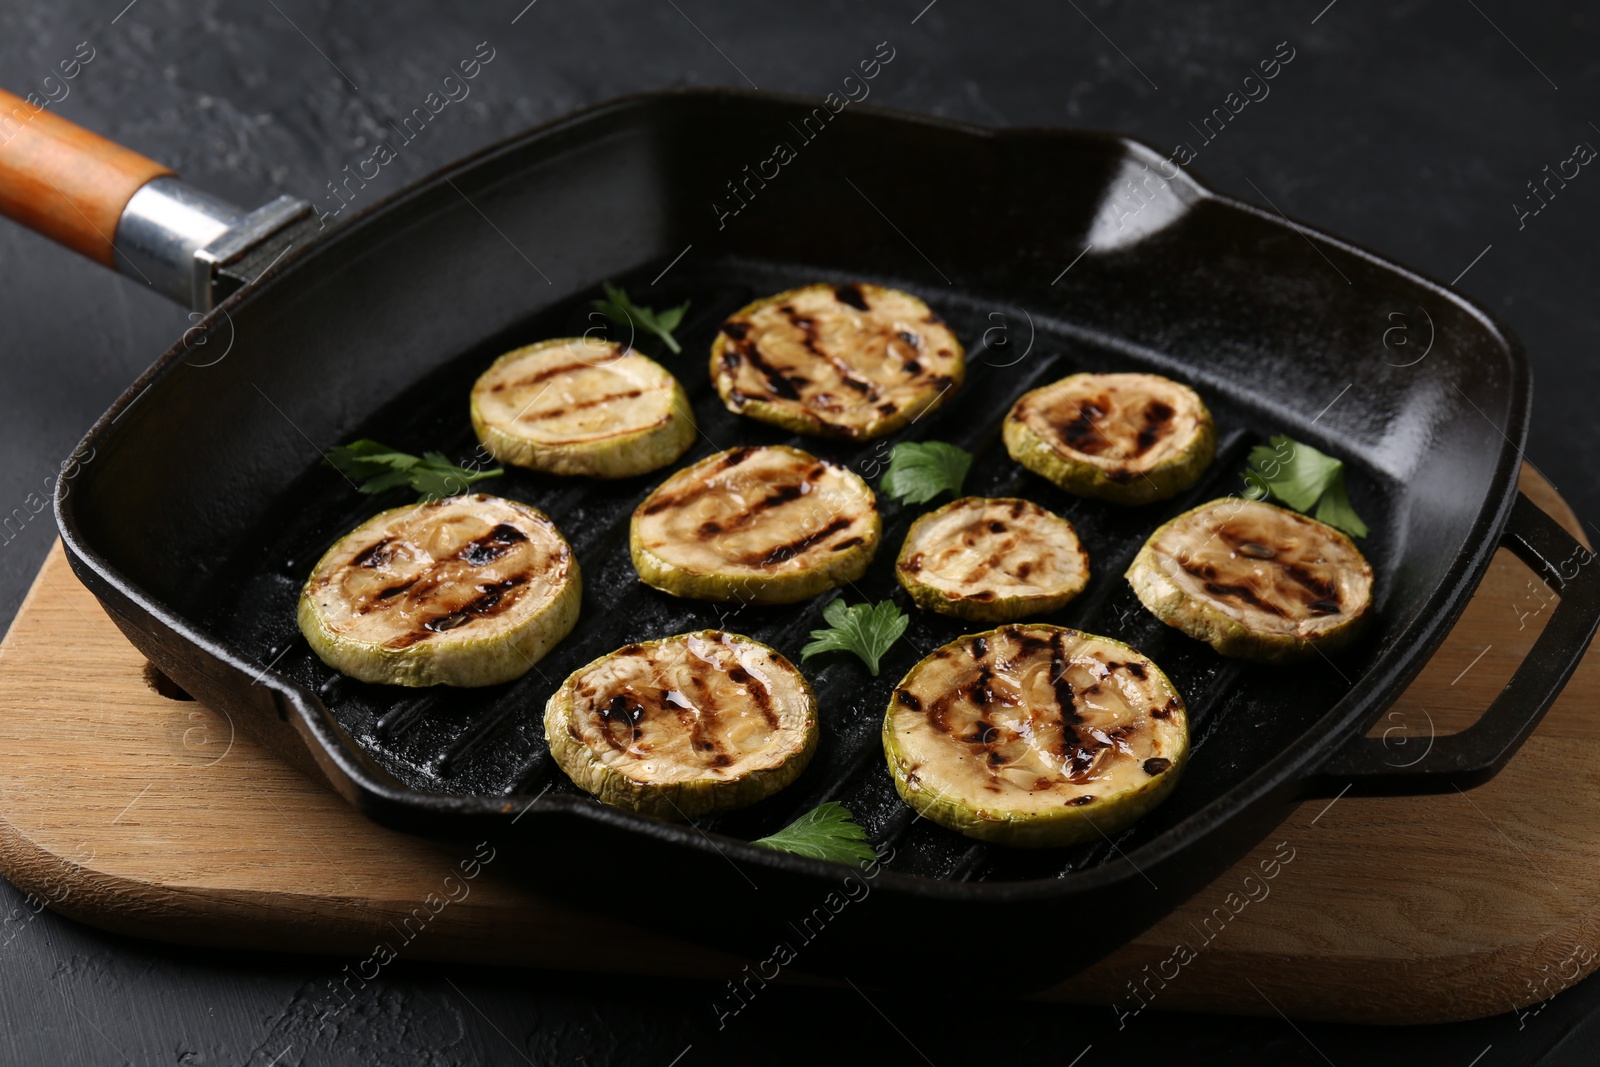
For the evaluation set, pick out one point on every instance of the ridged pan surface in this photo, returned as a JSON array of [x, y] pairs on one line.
[[491, 741]]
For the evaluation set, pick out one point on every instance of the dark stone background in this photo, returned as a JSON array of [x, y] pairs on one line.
[[1408, 126]]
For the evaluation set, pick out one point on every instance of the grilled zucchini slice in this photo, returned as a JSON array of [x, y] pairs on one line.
[[684, 726], [1254, 580], [1127, 438], [575, 406], [469, 590], [992, 560], [1035, 735], [854, 361], [756, 525]]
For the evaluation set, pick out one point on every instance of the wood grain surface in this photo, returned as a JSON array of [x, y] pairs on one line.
[[61, 180], [134, 811]]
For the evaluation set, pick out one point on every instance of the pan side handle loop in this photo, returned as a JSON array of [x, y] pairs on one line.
[[1368, 766]]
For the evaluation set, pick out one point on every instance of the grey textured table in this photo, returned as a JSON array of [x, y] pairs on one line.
[[1411, 127]]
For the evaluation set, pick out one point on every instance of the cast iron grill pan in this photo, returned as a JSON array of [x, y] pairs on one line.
[[205, 505]]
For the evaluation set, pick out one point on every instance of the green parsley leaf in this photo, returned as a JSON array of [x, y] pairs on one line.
[[919, 472], [1302, 478], [377, 468], [1295, 473], [624, 312], [826, 832], [866, 630], [1335, 510]]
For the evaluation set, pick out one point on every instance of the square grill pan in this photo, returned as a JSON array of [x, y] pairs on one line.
[[205, 505]]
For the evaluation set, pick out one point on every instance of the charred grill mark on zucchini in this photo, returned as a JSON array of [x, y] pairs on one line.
[[781, 384], [1304, 593], [1157, 416], [1321, 589], [542, 375], [491, 600], [439, 597], [1066, 699], [785, 552], [782, 494], [807, 325], [581, 405], [776, 496], [1207, 575], [1081, 433], [758, 692], [1246, 594], [852, 295], [854, 361], [1092, 424], [492, 545], [375, 556], [1321, 595], [660, 501], [625, 713], [385, 594], [701, 720], [440, 601]]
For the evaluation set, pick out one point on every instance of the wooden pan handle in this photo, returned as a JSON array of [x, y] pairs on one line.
[[61, 180]]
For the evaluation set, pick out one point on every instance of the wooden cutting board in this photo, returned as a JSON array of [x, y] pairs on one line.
[[134, 811]]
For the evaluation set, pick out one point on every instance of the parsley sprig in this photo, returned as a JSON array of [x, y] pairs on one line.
[[377, 467], [1299, 476], [919, 472], [624, 312], [863, 629], [826, 832]]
